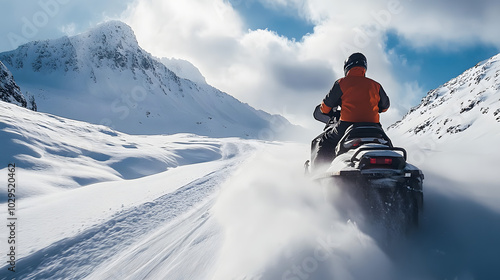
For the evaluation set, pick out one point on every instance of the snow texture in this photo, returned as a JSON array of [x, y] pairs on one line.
[[458, 104]]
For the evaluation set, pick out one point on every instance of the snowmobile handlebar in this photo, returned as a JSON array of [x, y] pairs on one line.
[[354, 157], [325, 118]]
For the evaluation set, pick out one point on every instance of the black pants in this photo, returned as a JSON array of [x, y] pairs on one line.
[[323, 146]]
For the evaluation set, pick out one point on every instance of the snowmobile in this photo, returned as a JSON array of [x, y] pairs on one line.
[[374, 174]]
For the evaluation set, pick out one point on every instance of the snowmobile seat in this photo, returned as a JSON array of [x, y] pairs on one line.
[[362, 133]]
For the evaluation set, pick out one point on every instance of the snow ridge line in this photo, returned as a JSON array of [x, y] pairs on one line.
[[195, 228], [76, 257]]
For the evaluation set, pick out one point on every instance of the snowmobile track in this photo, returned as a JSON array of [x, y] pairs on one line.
[[78, 256]]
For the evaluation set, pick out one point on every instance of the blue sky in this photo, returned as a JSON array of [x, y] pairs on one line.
[[256, 51], [435, 65], [257, 16]]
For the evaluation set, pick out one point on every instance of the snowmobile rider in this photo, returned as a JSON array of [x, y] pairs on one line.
[[361, 100]]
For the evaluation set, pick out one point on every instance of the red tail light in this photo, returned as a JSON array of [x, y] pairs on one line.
[[356, 143], [381, 161]]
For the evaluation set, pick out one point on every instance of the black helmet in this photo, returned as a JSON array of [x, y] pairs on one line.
[[355, 59]]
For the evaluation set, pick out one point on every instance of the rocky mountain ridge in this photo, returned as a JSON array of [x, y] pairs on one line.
[[467, 100], [10, 91]]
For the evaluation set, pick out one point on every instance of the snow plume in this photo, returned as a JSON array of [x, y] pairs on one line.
[[278, 225]]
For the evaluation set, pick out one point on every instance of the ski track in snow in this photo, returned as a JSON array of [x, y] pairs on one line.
[[77, 257], [174, 250]]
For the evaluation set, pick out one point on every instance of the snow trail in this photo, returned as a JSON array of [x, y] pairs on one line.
[[74, 257], [78, 256]]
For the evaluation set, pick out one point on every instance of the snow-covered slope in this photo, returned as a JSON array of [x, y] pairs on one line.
[[78, 153], [10, 91], [455, 130], [454, 110], [104, 77]]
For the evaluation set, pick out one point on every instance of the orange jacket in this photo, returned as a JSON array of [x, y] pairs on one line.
[[361, 98]]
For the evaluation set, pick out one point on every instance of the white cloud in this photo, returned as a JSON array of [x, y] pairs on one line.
[[196, 27], [69, 29], [444, 23]]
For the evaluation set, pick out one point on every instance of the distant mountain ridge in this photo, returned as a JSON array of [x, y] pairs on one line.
[[471, 99], [102, 76], [184, 69]]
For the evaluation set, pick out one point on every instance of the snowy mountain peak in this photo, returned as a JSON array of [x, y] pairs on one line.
[[111, 43], [113, 34], [471, 99], [102, 76]]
